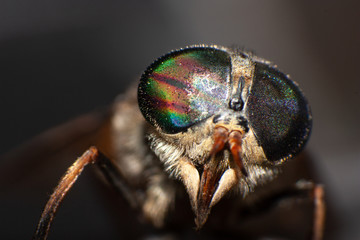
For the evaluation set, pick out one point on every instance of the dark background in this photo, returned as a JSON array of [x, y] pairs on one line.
[[59, 59]]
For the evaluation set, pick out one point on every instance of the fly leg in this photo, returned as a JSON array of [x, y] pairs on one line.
[[91, 156], [315, 193], [302, 191], [319, 212]]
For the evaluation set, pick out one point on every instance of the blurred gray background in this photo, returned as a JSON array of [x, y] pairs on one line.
[[60, 59]]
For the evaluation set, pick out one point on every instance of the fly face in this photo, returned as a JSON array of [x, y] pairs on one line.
[[222, 120]]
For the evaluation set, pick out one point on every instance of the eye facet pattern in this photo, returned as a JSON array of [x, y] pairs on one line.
[[184, 87], [278, 113]]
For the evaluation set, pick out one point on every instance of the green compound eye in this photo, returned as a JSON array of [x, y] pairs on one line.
[[185, 87]]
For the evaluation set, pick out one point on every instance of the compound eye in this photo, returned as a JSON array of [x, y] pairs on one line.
[[278, 113], [184, 87]]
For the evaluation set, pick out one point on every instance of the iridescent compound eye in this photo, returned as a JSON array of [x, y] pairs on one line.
[[278, 113], [185, 87]]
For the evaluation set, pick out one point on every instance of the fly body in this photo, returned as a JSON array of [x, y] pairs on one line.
[[211, 122]]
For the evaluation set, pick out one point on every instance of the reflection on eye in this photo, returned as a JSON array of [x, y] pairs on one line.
[[184, 87]]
